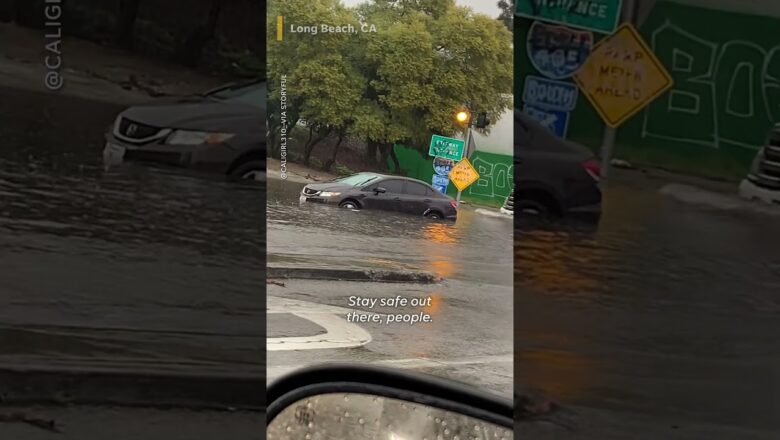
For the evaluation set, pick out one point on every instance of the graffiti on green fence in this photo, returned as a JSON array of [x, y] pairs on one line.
[[726, 92], [725, 98], [495, 174]]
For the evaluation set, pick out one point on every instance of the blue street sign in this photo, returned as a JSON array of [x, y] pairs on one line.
[[440, 183], [550, 94], [558, 52], [442, 166], [555, 120]]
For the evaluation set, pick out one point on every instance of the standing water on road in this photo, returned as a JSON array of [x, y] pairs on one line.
[[476, 247], [473, 255], [128, 266], [665, 309]]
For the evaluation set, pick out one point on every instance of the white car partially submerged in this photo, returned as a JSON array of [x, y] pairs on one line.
[[763, 181]]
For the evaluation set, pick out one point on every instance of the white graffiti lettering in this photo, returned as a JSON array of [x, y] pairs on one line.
[[725, 94]]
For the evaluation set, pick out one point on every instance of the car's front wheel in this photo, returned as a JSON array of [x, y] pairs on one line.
[[251, 170], [349, 204]]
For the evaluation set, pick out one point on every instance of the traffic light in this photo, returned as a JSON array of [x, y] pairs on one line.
[[482, 120]]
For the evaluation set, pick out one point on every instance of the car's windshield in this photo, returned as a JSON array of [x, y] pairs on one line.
[[359, 179], [253, 93]]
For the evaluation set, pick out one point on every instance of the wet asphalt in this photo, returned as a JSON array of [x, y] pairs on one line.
[[669, 308], [470, 336], [131, 267]]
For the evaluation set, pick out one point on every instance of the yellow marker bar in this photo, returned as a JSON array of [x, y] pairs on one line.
[[279, 28]]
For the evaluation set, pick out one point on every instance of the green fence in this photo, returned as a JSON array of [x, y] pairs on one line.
[[726, 96], [492, 188]]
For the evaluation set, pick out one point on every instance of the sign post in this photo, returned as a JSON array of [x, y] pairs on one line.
[[468, 153], [622, 76], [463, 175], [610, 133]]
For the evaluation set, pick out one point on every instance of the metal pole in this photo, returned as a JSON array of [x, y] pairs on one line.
[[466, 154], [610, 134]]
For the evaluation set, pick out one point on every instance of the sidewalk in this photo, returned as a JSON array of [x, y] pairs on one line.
[[296, 172], [705, 193]]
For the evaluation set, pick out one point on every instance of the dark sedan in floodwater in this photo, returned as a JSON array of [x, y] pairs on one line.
[[554, 177], [379, 191], [220, 131]]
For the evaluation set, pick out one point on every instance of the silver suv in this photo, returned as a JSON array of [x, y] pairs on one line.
[[763, 181]]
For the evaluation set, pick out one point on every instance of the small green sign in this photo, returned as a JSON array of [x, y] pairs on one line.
[[447, 148], [595, 15]]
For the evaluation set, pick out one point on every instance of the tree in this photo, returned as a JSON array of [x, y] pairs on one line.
[[399, 85], [322, 88], [126, 17], [507, 12], [424, 65]]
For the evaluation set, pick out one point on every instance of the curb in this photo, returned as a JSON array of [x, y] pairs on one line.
[[124, 387], [366, 275]]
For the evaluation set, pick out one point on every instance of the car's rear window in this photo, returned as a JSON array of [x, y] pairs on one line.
[[416, 189]]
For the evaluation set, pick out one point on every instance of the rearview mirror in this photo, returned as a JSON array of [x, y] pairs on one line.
[[351, 403], [380, 190]]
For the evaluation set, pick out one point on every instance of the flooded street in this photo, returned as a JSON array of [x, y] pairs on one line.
[[667, 309], [134, 266], [473, 256]]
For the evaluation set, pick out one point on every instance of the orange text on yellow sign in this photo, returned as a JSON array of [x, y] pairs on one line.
[[622, 76], [463, 174]]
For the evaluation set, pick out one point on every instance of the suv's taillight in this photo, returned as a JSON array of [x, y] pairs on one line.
[[593, 167], [454, 204]]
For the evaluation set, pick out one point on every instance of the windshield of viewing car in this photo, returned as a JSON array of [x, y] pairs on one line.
[[358, 179], [253, 94]]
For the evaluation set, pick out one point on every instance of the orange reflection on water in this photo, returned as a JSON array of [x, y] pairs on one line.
[[442, 268], [435, 305], [421, 347], [441, 233], [550, 262], [563, 375]]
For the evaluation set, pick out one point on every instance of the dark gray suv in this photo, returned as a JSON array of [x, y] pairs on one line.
[[553, 177]]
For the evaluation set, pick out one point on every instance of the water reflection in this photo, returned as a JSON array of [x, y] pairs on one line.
[[474, 247], [137, 264], [663, 308]]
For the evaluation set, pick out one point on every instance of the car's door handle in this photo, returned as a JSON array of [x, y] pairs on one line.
[[427, 200], [397, 198]]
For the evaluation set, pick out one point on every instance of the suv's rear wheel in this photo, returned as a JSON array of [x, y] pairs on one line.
[[436, 215]]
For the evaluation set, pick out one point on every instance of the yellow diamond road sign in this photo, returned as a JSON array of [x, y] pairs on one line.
[[622, 76], [463, 174]]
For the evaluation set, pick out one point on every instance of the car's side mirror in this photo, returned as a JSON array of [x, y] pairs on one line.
[[349, 402], [380, 190]]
